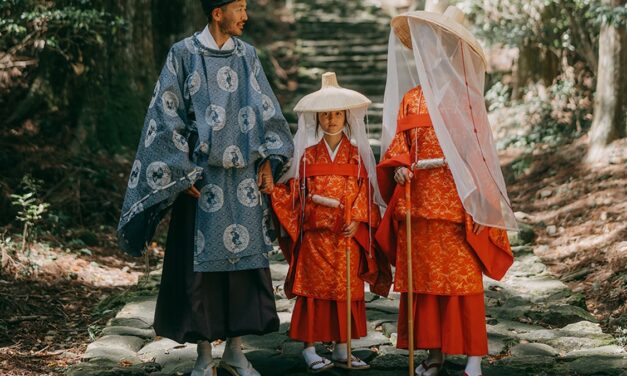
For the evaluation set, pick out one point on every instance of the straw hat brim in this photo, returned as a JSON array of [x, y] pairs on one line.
[[332, 99], [400, 25]]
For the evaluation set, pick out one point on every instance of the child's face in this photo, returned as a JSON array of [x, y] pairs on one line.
[[332, 121]]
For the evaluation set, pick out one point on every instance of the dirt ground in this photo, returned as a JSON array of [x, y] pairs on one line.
[[48, 316], [579, 216]]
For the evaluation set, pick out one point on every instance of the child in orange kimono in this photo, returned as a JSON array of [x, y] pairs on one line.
[[326, 209]]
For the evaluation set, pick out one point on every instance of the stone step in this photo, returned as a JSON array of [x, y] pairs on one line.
[[346, 80], [359, 50], [312, 60], [369, 91], [330, 9], [325, 43], [344, 69]]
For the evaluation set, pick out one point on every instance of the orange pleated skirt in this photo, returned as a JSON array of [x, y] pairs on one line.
[[319, 320], [455, 324]]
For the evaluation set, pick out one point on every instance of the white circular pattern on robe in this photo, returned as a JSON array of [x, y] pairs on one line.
[[155, 93], [246, 118], [151, 133], [135, 172], [180, 142], [265, 227], [211, 198], [254, 83], [232, 157], [236, 238], [192, 84], [268, 107], [215, 116], [158, 175], [247, 193], [227, 79], [200, 242], [273, 140], [170, 103], [171, 63]]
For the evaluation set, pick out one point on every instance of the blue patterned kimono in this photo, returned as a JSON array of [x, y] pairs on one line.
[[225, 99]]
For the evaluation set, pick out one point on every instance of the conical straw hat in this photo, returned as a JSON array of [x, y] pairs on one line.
[[331, 97], [452, 20]]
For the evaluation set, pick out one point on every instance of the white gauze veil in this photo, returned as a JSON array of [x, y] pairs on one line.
[[452, 76]]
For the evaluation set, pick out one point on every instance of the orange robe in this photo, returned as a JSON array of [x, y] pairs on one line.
[[316, 246], [447, 271]]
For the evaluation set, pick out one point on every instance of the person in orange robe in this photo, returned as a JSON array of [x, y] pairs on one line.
[[441, 146], [329, 208], [449, 311]]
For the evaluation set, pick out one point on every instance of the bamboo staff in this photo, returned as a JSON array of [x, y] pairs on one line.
[[410, 279], [349, 355]]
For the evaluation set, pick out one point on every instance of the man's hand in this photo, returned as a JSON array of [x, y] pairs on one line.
[[402, 175], [265, 182], [193, 191], [350, 230]]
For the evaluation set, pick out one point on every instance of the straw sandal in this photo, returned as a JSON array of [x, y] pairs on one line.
[[356, 363], [210, 370], [327, 365], [237, 371], [428, 367]]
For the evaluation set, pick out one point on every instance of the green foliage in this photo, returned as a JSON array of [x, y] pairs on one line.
[[497, 96], [53, 50], [568, 28], [68, 28], [30, 207]]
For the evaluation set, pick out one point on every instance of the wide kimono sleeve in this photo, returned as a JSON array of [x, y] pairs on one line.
[[162, 167], [397, 155], [286, 204], [364, 209], [278, 146]]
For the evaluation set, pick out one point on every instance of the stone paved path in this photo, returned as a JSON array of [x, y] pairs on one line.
[[536, 326]]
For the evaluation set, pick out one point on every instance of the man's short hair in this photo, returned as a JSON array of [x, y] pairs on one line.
[[209, 5]]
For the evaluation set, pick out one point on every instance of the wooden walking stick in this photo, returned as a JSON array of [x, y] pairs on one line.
[[349, 355], [410, 280]]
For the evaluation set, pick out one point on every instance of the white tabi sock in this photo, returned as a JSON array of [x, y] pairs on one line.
[[473, 366], [233, 354], [310, 355], [339, 352], [204, 361]]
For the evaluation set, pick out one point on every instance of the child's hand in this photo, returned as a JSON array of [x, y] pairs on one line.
[[350, 230], [193, 191], [264, 178]]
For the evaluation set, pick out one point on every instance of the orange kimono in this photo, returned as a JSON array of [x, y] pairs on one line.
[[315, 247], [449, 310]]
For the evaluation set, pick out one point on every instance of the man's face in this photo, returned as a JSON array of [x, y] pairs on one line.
[[232, 18]]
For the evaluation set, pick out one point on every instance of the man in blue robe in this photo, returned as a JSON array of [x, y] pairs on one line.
[[214, 141]]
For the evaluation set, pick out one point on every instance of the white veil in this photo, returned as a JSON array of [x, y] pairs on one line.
[[306, 137], [452, 78]]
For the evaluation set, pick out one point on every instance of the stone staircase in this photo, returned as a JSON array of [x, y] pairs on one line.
[[346, 37]]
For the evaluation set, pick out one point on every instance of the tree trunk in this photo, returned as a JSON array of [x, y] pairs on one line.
[[609, 122]]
